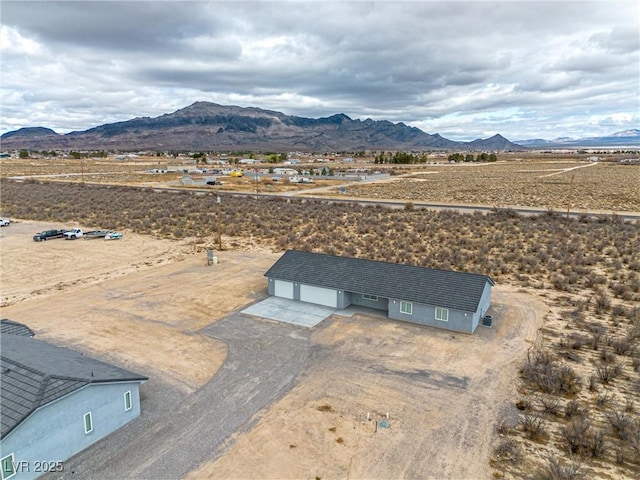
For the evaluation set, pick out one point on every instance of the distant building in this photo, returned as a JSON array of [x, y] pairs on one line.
[[56, 402]]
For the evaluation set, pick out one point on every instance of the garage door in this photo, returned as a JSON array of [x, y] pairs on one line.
[[283, 289], [319, 295]]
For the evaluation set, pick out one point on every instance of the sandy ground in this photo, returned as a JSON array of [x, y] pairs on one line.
[[444, 393], [141, 303], [138, 301]]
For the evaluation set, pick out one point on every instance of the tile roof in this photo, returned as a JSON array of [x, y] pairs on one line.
[[442, 288], [14, 328], [35, 373]]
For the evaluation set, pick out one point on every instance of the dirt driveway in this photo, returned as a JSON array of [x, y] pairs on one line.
[[444, 393]]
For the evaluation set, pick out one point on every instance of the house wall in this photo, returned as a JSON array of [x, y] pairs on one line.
[[483, 305], [55, 432], [426, 315]]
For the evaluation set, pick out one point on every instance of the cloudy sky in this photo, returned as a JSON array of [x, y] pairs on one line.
[[462, 69]]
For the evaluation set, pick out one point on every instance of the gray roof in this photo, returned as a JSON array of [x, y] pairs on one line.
[[35, 373], [14, 328], [442, 288]]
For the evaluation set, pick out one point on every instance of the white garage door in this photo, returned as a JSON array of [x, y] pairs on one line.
[[319, 295], [283, 289]]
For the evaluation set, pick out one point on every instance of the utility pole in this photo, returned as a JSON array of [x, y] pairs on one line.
[[570, 194], [219, 232]]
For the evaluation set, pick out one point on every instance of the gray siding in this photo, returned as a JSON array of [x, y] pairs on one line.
[[55, 432], [426, 315], [459, 320], [483, 305]]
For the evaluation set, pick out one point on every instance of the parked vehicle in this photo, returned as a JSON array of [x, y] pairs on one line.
[[48, 235], [4, 222], [299, 179], [113, 236], [236, 173], [97, 233], [73, 234], [213, 181]]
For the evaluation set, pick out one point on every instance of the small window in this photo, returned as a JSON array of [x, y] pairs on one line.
[[406, 307], [127, 401], [8, 466], [88, 423], [442, 314], [370, 297]]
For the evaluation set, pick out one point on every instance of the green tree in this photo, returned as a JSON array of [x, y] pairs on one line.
[[24, 154]]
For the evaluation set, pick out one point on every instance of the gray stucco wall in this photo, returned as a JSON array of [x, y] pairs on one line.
[[483, 305], [55, 432], [426, 315]]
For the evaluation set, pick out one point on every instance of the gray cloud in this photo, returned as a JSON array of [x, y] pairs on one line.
[[463, 69]]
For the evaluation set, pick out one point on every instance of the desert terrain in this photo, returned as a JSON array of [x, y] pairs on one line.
[[552, 391], [144, 303]]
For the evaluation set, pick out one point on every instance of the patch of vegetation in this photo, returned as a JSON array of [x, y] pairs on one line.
[[579, 384]]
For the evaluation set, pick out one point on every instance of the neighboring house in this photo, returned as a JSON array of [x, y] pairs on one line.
[[56, 402], [438, 298], [10, 327]]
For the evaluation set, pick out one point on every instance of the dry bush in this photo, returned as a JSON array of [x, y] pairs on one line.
[[607, 373], [555, 470], [507, 451], [574, 409], [545, 374], [534, 427]]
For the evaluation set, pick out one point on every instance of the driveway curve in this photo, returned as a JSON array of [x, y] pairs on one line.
[[264, 358]]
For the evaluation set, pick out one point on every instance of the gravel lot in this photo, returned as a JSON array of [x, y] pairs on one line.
[[174, 439]]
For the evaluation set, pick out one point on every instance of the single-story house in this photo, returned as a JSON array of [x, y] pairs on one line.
[[438, 298], [56, 402]]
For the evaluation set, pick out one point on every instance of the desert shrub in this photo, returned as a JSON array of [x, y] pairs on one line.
[[550, 405], [624, 426], [604, 400], [534, 427], [624, 345], [607, 373], [577, 435], [547, 375], [555, 470], [574, 409], [602, 303], [508, 450]]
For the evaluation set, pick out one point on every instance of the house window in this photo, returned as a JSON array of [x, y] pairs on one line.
[[370, 297], [8, 466], [88, 423], [406, 307], [127, 401], [442, 314]]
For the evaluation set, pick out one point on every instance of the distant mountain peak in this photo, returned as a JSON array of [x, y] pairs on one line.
[[207, 126]]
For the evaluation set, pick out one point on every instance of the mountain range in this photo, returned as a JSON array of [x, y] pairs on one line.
[[628, 138], [205, 126]]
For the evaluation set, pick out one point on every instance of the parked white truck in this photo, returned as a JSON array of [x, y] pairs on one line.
[[73, 234]]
